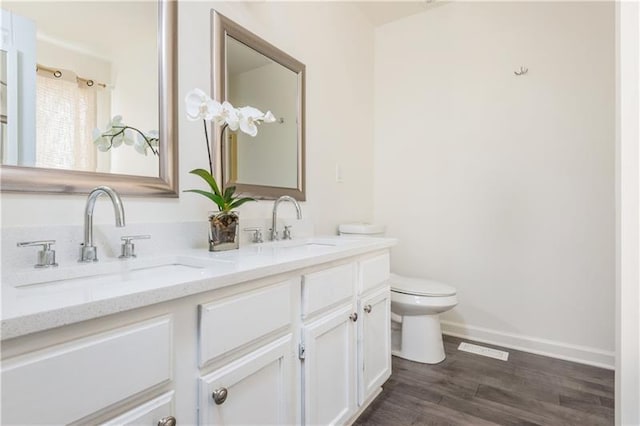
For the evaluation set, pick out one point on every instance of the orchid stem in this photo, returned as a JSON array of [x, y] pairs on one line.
[[121, 131], [206, 136]]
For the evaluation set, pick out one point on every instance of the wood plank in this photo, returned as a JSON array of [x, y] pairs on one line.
[[467, 389]]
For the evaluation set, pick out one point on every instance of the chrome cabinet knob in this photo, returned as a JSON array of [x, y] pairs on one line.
[[167, 421], [353, 317], [219, 395], [367, 309]]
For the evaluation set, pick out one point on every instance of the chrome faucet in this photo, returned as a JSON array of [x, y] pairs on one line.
[[274, 218], [88, 252]]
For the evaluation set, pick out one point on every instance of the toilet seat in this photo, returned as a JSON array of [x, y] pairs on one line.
[[420, 287]]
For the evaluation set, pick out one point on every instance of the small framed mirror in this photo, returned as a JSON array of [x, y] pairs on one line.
[[89, 97], [247, 70]]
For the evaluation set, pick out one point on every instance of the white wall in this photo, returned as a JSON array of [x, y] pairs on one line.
[[628, 214], [503, 186], [335, 42]]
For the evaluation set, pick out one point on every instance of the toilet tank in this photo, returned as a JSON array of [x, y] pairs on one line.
[[361, 230]]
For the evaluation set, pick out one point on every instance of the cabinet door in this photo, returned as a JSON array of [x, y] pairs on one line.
[[259, 388], [330, 368], [375, 348]]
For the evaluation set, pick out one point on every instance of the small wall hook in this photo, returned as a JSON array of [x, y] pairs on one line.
[[522, 71]]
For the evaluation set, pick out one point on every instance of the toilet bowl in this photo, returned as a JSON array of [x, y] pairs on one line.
[[416, 305]]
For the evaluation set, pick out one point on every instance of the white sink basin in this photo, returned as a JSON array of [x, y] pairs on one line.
[[302, 246], [118, 271]]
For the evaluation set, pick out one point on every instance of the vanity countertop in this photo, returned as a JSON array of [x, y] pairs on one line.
[[62, 296]]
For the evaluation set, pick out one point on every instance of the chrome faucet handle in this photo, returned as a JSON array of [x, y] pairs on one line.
[[46, 256], [286, 234], [257, 234], [128, 248]]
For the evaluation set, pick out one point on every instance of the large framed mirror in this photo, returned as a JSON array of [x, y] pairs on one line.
[[247, 70], [89, 94]]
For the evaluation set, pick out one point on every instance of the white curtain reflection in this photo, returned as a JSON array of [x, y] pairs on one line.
[[65, 119]]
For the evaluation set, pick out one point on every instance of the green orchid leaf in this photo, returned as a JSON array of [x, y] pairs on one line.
[[239, 201], [204, 174], [228, 193], [217, 199]]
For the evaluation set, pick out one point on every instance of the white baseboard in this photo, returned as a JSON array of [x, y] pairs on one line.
[[550, 348]]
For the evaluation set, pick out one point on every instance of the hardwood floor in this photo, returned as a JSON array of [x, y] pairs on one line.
[[468, 389]]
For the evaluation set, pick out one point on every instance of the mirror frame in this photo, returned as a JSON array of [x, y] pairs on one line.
[[221, 27], [56, 181]]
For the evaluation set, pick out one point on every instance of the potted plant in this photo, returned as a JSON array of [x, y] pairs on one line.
[[224, 224]]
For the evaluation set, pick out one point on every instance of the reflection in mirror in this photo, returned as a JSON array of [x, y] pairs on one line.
[[270, 158], [3, 100], [78, 73], [93, 96], [249, 71]]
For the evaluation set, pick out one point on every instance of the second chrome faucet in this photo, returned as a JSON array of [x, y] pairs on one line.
[[88, 252], [274, 217]]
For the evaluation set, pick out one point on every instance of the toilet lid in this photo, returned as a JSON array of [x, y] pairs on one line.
[[420, 286]]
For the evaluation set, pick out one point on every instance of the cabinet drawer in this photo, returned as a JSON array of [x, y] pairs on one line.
[[67, 382], [374, 272], [148, 413], [233, 322], [323, 289]]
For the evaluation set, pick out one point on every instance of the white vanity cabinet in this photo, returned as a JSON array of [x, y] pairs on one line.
[[374, 352], [328, 345], [306, 345], [248, 339], [329, 368], [255, 389], [374, 307], [67, 382], [346, 339]]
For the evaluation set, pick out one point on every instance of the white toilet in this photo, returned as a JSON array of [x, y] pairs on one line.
[[416, 304]]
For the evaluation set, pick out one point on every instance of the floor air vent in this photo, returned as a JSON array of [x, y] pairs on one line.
[[481, 350]]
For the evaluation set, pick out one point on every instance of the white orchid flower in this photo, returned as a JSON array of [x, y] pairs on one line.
[[141, 145], [269, 117], [115, 121], [229, 115], [147, 140], [119, 133], [154, 138], [201, 107], [129, 136], [249, 117], [101, 143]]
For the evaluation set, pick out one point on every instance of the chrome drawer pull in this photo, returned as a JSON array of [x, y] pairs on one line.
[[167, 421], [219, 395]]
